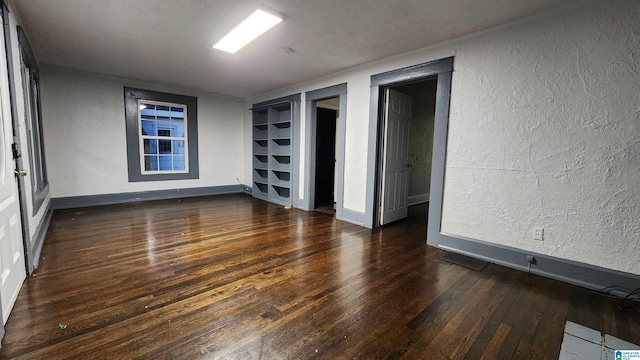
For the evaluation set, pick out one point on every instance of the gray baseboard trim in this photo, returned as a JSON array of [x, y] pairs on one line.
[[109, 199], [417, 199], [246, 189], [353, 217], [40, 235], [573, 272]]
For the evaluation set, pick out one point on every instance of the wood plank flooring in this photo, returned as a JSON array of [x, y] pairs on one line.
[[231, 277]]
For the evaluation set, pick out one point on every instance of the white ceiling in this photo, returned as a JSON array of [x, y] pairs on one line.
[[170, 41]]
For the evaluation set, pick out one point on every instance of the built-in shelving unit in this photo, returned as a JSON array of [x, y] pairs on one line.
[[272, 153]]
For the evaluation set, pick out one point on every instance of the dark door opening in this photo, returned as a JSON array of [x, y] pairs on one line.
[[325, 159]]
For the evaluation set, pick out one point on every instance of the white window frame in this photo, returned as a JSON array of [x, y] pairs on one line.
[[142, 137]]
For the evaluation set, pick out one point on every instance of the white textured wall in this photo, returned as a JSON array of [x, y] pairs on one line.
[[86, 139], [543, 131]]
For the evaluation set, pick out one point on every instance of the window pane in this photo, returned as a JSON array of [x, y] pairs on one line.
[[149, 128], [151, 163], [177, 113], [164, 128], [150, 146], [166, 163], [147, 111], [177, 125], [164, 146], [178, 146], [162, 110], [178, 163]]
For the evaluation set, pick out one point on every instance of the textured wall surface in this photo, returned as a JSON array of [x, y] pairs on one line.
[[544, 132], [85, 136]]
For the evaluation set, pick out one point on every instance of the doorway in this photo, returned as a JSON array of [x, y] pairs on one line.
[[324, 146], [327, 113], [441, 72], [408, 115]]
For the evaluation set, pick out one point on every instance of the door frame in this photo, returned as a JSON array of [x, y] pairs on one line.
[[311, 121], [441, 70]]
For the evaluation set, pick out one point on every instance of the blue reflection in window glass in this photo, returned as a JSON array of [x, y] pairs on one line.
[[178, 146], [147, 109], [177, 127], [162, 110], [149, 128], [166, 162], [164, 128], [177, 113], [178, 163]]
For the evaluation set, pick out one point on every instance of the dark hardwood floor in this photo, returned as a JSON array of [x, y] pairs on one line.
[[236, 278]]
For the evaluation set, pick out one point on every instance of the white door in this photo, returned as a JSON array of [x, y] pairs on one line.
[[12, 263], [395, 166]]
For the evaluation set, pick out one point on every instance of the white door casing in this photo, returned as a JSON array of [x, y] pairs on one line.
[[12, 264], [396, 165]]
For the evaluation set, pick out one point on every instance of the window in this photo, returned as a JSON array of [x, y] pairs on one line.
[[161, 135], [33, 120]]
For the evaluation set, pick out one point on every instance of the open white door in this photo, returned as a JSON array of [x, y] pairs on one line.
[[395, 167], [12, 265]]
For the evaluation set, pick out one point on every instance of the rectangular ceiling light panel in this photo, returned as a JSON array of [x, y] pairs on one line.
[[252, 27]]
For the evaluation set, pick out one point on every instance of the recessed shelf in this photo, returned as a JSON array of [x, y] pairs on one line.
[[261, 187], [260, 174], [281, 191], [282, 175], [282, 124]]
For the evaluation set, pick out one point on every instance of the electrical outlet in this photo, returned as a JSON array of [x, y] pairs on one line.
[[538, 233]]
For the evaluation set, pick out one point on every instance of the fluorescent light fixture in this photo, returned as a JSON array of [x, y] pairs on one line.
[[252, 27]]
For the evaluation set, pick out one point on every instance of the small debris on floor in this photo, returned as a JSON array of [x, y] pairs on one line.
[[62, 326]]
